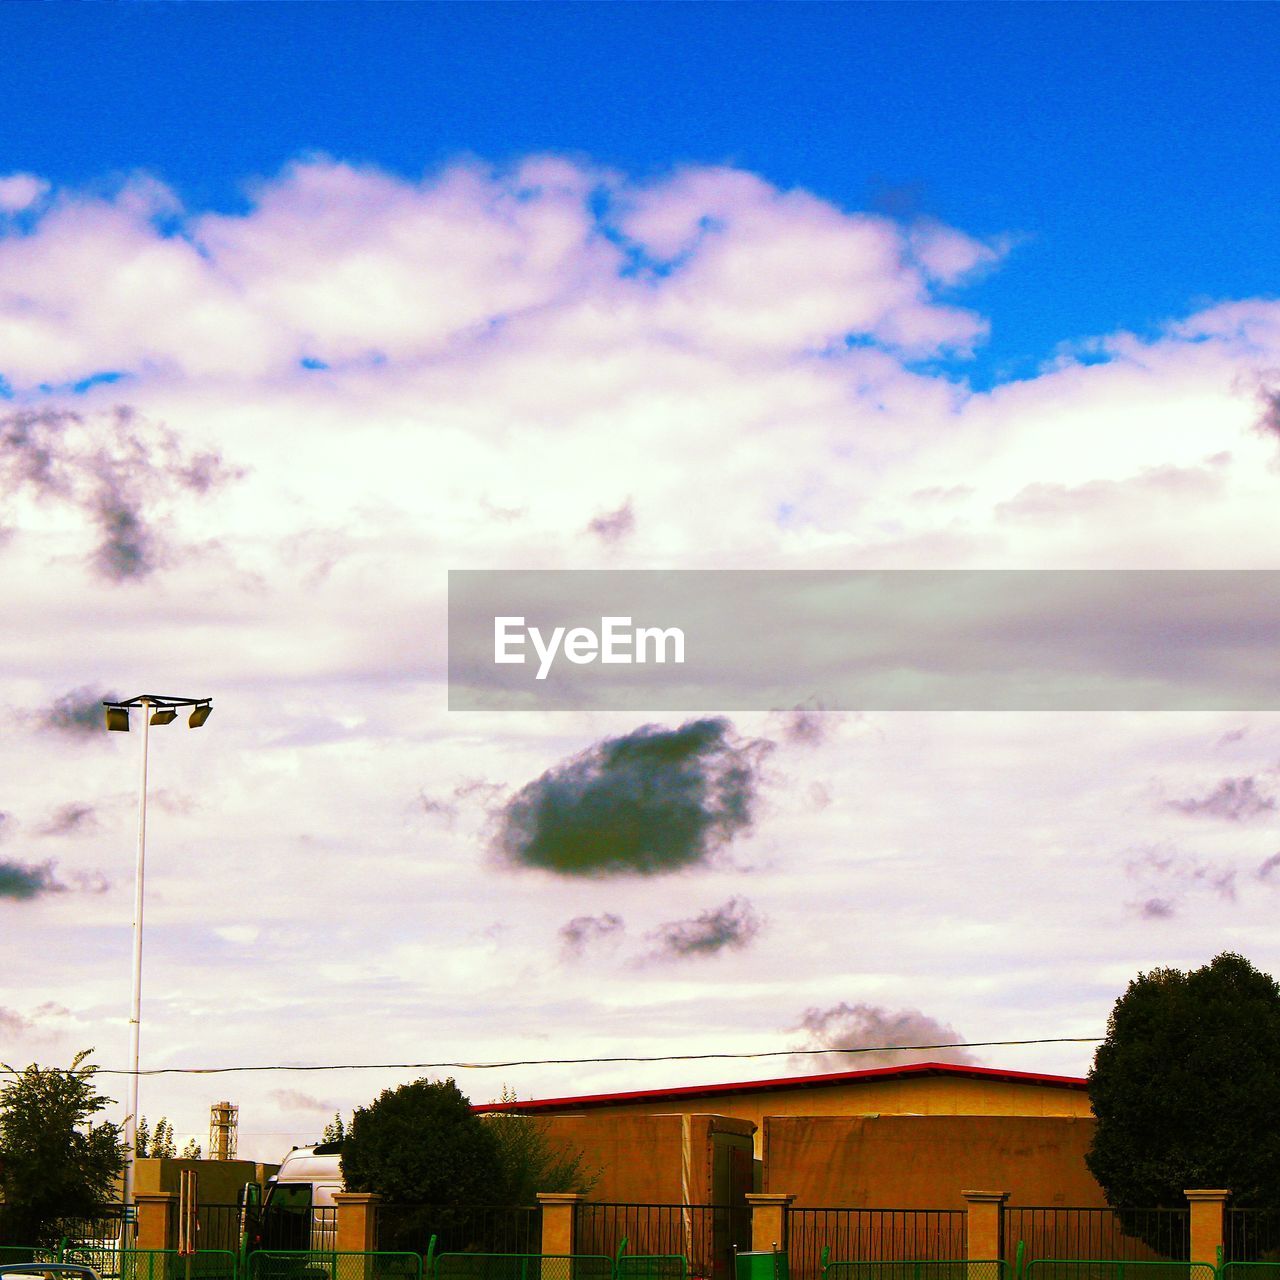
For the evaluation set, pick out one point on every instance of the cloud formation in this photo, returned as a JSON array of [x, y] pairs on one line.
[[22, 881], [581, 933], [1233, 799], [293, 1100], [119, 471], [79, 713], [863, 1031], [653, 801], [732, 926], [614, 525], [1169, 876], [70, 819]]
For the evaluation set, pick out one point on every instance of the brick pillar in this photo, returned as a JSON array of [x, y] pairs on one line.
[[1206, 1224], [559, 1211], [768, 1220], [357, 1219], [983, 1228], [157, 1219]]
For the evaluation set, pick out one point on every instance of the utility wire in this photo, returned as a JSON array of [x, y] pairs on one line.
[[576, 1062]]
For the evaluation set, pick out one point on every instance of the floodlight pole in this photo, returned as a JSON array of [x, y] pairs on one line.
[[135, 1007]]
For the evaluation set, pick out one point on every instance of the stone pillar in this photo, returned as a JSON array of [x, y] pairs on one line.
[[768, 1220], [983, 1230], [559, 1212], [157, 1220], [1206, 1224], [357, 1221]]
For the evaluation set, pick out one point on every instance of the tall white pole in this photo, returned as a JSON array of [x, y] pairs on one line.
[[135, 1013]]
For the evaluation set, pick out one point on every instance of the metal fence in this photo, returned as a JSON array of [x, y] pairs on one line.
[[1249, 1271], [514, 1266], [952, 1269], [218, 1226], [1251, 1235], [331, 1264], [1135, 1235], [873, 1235], [705, 1234], [1117, 1269], [458, 1229]]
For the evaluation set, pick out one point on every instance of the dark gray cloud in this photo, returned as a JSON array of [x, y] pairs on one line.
[[653, 801], [1233, 799], [582, 932], [809, 725], [730, 926], [1270, 869], [447, 808], [1156, 909], [614, 525], [1269, 408], [863, 1032], [70, 819], [22, 881], [79, 713], [118, 469], [293, 1100]]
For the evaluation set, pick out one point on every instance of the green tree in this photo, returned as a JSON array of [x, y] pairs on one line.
[[1186, 1087], [192, 1150], [335, 1130], [55, 1161], [159, 1144], [531, 1161]]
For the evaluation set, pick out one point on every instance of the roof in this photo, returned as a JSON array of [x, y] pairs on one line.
[[684, 1092]]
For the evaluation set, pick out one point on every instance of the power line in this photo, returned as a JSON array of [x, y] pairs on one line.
[[576, 1062]]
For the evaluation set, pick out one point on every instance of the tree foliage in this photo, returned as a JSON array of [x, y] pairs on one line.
[[335, 1130], [531, 1161], [1186, 1087], [159, 1144], [422, 1144], [55, 1161]]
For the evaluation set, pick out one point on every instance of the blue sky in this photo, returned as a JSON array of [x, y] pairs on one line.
[[1128, 148], [303, 306]]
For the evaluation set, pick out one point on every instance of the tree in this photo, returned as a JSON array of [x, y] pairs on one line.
[[422, 1144], [335, 1130], [531, 1161], [1186, 1087], [159, 1144], [192, 1150], [55, 1161]]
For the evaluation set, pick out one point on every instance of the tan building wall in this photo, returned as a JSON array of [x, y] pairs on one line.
[[648, 1159], [925, 1162], [219, 1180], [905, 1095]]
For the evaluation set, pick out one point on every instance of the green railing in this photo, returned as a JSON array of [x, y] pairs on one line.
[[1249, 1271], [523, 1266], [655, 1266], [330, 1264], [931, 1269], [132, 1264], [1118, 1269]]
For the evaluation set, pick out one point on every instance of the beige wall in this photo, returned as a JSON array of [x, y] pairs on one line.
[[640, 1158], [923, 1095], [925, 1162], [219, 1180]]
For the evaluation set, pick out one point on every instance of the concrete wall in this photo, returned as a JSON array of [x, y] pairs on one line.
[[925, 1162], [642, 1158], [921, 1095], [219, 1180]]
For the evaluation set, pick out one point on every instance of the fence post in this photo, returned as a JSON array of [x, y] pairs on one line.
[[768, 1220], [984, 1224], [1206, 1224], [357, 1221], [559, 1220], [157, 1219]]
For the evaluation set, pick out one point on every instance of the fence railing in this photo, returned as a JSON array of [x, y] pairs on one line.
[[514, 1266], [1117, 1269], [331, 1264], [218, 1226], [872, 1235], [1137, 1235], [478, 1229], [705, 1234], [951, 1269], [1251, 1235]]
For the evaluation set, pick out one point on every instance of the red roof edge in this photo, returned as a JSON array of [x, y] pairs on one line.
[[591, 1100]]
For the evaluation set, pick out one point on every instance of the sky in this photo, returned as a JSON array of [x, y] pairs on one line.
[[303, 306]]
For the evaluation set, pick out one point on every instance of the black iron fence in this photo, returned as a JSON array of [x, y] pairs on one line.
[[1135, 1235], [100, 1226], [706, 1234], [500, 1229], [218, 1226], [1251, 1235], [872, 1235]]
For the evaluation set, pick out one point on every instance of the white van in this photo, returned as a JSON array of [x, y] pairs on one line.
[[298, 1209]]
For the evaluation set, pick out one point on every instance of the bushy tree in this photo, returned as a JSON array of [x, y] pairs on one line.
[[531, 1161], [335, 1130], [55, 1161], [159, 1144], [192, 1150], [1186, 1087]]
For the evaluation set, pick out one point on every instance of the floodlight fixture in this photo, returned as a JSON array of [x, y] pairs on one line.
[[117, 719], [200, 714], [166, 715]]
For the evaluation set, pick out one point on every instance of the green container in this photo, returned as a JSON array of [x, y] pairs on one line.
[[763, 1265]]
